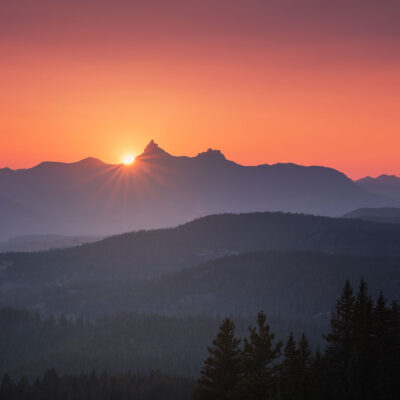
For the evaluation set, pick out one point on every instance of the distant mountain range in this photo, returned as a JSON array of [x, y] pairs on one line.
[[384, 185], [90, 197]]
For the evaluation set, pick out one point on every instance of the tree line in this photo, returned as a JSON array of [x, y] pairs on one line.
[[361, 360], [152, 386], [31, 342]]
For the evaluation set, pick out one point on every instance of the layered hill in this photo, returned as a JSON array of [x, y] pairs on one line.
[[385, 214], [121, 272], [91, 197]]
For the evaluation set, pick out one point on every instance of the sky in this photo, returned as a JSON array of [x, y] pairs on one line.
[[314, 82]]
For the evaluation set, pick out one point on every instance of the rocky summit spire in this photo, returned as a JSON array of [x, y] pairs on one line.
[[153, 150]]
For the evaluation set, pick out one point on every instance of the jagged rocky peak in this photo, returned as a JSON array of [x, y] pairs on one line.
[[212, 154], [153, 149]]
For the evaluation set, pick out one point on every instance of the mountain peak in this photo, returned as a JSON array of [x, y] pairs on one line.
[[153, 150], [212, 154], [388, 178]]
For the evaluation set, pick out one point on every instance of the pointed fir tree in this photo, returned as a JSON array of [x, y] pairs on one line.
[[341, 335], [340, 343], [288, 371], [384, 344], [295, 370], [303, 368], [361, 370], [259, 362], [221, 371], [317, 377]]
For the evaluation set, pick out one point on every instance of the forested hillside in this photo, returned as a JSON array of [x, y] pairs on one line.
[[154, 299], [210, 265], [291, 284], [385, 215], [31, 343], [93, 386], [151, 253], [297, 284], [359, 361]]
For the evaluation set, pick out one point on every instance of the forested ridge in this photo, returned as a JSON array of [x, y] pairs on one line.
[[30, 343], [360, 361], [154, 252], [93, 386], [286, 283], [154, 300]]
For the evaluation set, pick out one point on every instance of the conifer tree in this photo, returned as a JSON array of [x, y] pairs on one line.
[[340, 343], [361, 371], [317, 377], [221, 371], [303, 367], [259, 360], [295, 370], [383, 337], [340, 338], [288, 370], [386, 354]]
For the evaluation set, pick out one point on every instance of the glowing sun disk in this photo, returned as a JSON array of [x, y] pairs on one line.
[[128, 160]]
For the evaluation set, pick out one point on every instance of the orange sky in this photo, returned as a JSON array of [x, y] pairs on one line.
[[264, 82]]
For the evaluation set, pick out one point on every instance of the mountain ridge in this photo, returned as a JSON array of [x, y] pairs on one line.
[[90, 197], [94, 276]]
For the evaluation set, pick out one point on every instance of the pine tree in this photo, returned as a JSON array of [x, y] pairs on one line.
[[303, 368], [317, 377], [361, 370], [221, 371], [259, 357], [387, 322], [295, 370], [340, 343], [288, 371]]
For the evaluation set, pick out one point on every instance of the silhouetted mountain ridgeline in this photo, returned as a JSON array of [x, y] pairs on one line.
[[91, 197]]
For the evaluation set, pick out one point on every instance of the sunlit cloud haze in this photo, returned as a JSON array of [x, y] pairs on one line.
[[310, 82]]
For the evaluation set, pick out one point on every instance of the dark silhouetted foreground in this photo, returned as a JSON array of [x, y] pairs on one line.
[[153, 386], [360, 362]]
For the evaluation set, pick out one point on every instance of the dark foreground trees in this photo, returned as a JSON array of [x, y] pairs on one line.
[[221, 369], [153, 386], [361, 360]]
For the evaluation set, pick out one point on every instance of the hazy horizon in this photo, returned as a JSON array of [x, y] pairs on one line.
[[121, 162]]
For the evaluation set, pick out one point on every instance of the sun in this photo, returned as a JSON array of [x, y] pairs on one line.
[[128, 160]]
